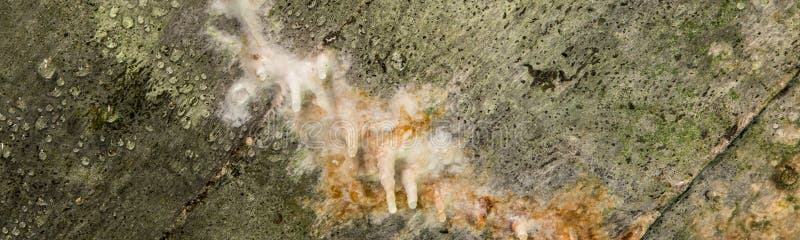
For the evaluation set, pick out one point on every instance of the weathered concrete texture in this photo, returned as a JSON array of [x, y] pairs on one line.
[[641, 95], [87, 152], [107, 126], [749, 192]]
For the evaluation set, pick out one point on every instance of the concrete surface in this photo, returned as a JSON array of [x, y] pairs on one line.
[[686, 111]]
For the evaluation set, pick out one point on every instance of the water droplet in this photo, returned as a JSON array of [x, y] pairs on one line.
[[169, 70], [46, 68], [84, 70], [173, 80], [48, 138], [42, 155], [175, 4], [7, 153], [277, 145], [21, 104], [127, 22], [111, 44], [398, 61], [113, 12], [56, 92], [131, 145], [186, 88], [84, 161], [40, 123], [140, 19], [74, 91], [60, 81], [188, 153], [211, 137], [176, 55], [159, 12]]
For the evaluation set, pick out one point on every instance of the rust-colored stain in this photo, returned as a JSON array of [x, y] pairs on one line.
[[374, 153], [353, 185], [575, 213]]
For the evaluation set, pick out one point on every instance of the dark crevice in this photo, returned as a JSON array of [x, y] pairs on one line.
[[734, 139], [335, 35], [235, 156]]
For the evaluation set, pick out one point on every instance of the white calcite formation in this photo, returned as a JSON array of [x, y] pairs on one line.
[[333, 115], [355, 139]]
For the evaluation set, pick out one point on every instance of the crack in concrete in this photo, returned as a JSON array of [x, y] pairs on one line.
[[333, 35], [721, 150], [236, 154]]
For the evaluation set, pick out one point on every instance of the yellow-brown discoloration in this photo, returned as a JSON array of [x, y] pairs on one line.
[[360, 143]]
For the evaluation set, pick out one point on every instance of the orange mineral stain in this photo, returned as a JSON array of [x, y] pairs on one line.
[[374, 152]]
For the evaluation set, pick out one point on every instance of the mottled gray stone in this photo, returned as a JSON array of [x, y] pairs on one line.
[[641, 95]]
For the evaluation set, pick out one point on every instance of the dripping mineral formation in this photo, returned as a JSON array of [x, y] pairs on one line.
[[356, 140]]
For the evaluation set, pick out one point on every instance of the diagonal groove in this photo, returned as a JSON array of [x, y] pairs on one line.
[[721, 150], [235, 155]]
